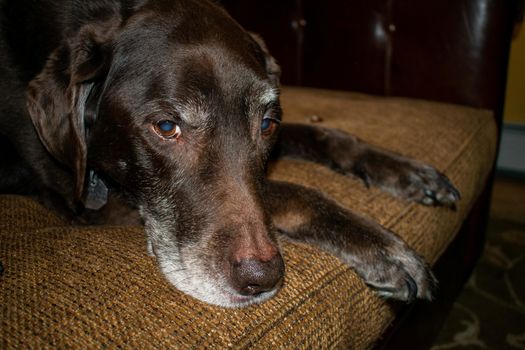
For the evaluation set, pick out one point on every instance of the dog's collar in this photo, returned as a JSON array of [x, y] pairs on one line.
[[97, 192]]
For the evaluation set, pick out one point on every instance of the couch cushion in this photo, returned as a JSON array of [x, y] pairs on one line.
[[95, 287]]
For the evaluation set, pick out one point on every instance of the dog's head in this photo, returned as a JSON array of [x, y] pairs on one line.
[[178, 107]]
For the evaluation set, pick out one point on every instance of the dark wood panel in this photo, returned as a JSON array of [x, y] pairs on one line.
[[453, 51], [278, 22]]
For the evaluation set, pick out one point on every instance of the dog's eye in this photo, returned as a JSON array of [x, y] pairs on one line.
[[167, 129], [269, 125]]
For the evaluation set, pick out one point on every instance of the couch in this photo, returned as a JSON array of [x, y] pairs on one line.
[[69, 286]]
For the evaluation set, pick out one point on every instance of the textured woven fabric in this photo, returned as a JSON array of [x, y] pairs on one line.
[[96, 287]]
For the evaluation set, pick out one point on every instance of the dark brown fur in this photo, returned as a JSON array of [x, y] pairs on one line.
[[86, 88]]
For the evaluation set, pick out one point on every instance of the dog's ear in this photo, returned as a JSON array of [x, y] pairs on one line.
[[56, 97], [272, 68]]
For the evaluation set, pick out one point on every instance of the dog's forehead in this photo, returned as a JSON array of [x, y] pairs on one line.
[[205, 74], [212, 83], [213, 66], [198, 63], [189, 22], [162, 31]]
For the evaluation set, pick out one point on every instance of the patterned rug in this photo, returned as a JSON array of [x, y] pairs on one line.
[[490, 312]]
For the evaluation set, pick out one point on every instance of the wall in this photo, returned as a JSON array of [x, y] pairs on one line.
[[515, 99], [511, 159]]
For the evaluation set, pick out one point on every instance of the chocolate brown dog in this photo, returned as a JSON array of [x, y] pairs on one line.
[[171, 107]]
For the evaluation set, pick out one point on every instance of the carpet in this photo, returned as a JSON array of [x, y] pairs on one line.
[[490, 311]]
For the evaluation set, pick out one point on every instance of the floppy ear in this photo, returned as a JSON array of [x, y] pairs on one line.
[[272, 68], [56, 97]]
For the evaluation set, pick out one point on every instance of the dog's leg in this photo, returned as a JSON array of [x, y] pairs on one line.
[[376, 254], [403, 177]]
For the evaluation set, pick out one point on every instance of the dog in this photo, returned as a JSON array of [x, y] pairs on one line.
[[166, 113]]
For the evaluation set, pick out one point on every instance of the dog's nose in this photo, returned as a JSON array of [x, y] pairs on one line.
[[253, 276]]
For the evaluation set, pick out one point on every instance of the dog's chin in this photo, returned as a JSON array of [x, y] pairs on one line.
[[199, 284], [236, 300], [214, 292]]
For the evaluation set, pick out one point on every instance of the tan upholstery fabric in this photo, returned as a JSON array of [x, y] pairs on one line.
[[95, 287]]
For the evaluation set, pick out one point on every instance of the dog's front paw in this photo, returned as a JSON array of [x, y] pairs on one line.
[[394, 271], [426, 185], [402, 277], [408, 179]]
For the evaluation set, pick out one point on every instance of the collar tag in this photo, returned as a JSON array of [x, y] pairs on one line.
[[97, 192]]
